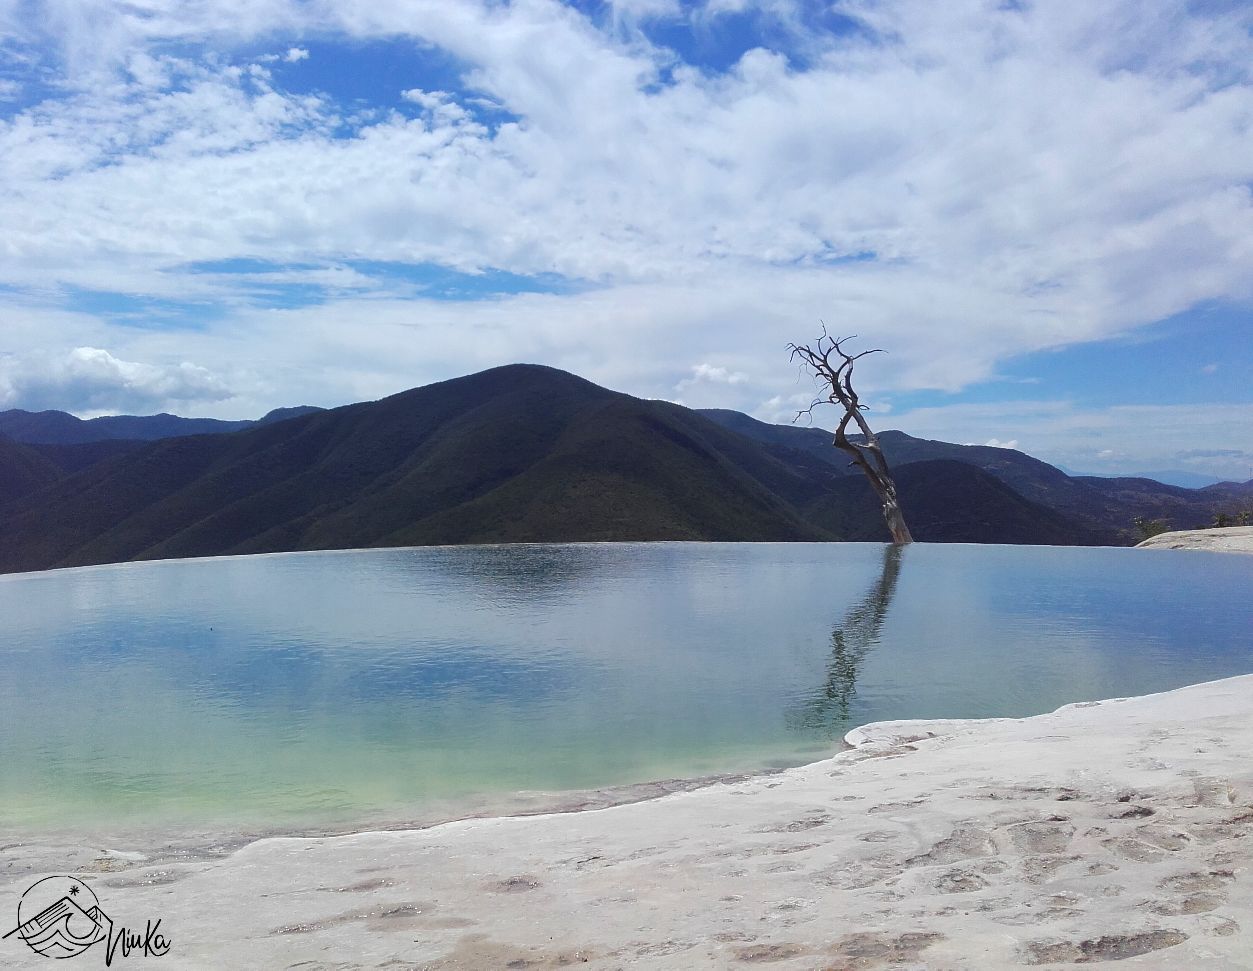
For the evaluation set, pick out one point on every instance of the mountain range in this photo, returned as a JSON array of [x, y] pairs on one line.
[[61, 428], [521, 453]]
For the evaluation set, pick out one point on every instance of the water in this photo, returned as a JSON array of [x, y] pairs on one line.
[[321, 689]]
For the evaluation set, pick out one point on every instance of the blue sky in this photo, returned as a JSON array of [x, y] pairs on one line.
[[1043, 212]]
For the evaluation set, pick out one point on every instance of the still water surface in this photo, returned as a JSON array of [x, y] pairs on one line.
[[321, 688]]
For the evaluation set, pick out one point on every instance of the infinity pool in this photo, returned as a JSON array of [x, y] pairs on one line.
[[317, 689]]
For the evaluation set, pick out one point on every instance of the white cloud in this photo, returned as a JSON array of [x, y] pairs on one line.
[[1060, 205], [427, 99], [712, 373], [714, 386], [295, 54], [1023, 178], [1123, 438], [996, 443], [91, 380]]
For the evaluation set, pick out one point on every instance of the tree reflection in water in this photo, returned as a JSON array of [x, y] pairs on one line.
[[851, 640]]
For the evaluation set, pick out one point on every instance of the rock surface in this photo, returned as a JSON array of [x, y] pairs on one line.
[[1227, 539]]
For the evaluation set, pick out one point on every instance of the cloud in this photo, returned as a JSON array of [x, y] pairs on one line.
[[715, 386], [1052, 205], [714, 374], [1135, 437], [962, 185], [996, 443], [295, 54], [90, 379]]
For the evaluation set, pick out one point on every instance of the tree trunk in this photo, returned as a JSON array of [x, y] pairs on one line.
[[895, 520], [880, 479]]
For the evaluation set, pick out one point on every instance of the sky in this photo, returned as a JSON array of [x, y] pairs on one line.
[[1041, 211]]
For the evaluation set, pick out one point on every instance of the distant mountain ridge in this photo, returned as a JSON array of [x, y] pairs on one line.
[[1175, 477], [1105, 506], [62, 428], [525, 453]]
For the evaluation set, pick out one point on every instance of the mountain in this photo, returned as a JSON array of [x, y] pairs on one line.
[[1104, 506], [1230, 492], [947, 501], [520, 453], [1036, 481], [525, 453], [814, 442], [282, 414], [72, 458], [61, 428], [1175, 477], [1016, 469], [23, 470]]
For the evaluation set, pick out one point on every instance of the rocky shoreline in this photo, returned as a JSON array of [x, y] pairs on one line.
[[1225, 539]]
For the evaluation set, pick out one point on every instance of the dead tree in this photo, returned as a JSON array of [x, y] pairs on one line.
[[836, 377]]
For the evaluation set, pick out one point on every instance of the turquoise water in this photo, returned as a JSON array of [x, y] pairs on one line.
[[322, 688]]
